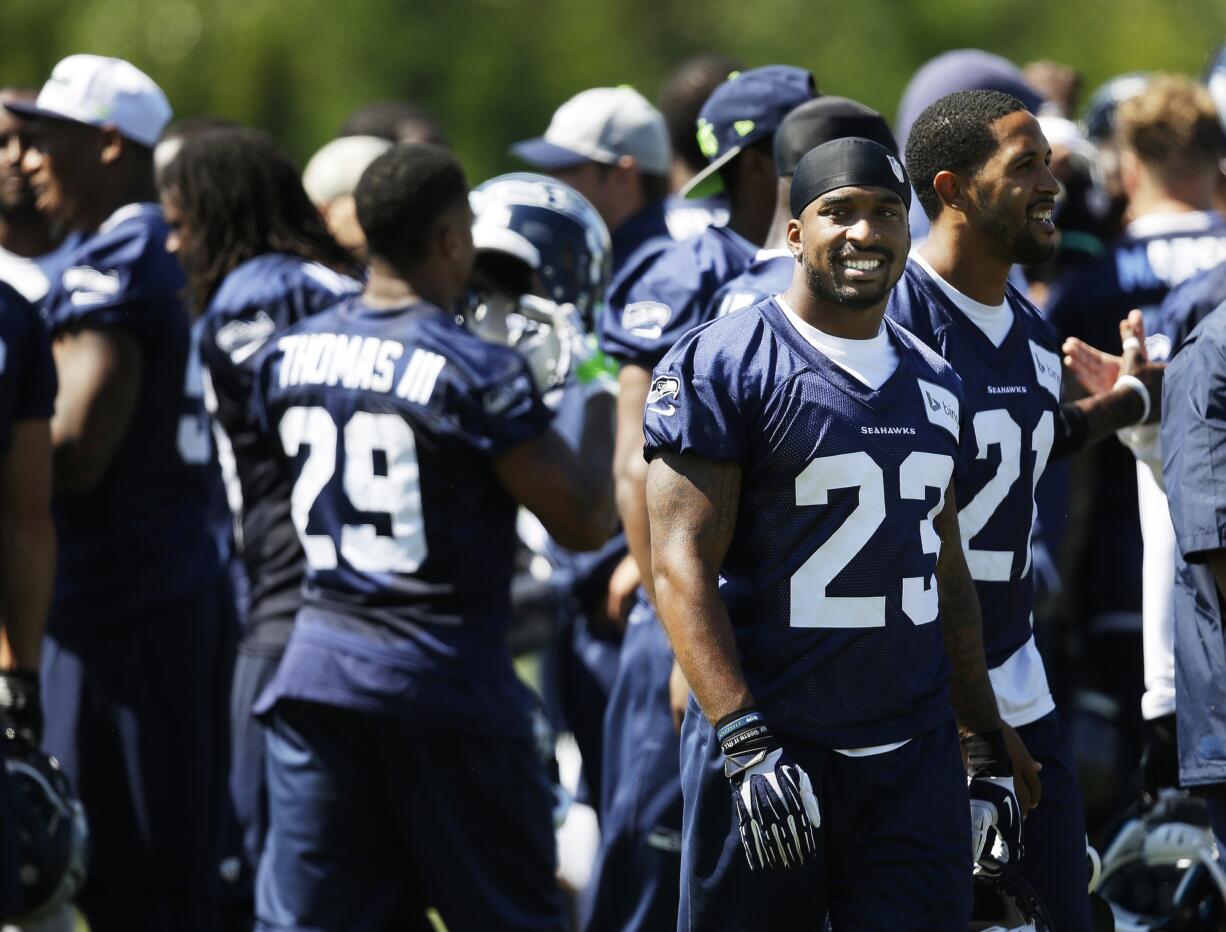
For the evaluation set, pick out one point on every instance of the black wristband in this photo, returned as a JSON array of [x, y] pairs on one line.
[[744, 730], [1072, 428], [987, 754]]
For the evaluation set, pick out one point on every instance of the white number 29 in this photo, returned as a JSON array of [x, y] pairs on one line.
[[398, 493], [811, 606]]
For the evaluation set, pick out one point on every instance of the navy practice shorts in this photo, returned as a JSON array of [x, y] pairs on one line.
[[638, 867], [372, 820], [1054, 833], [128, 715], [894, 844]]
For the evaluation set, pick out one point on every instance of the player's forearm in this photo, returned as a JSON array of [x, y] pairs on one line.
[[697, 623], [974, 700], [596, 456], [27, 571], [631, 485], [1108, 412], [692, 506]]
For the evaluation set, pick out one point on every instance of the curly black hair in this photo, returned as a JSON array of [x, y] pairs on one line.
[[955, 135], [242, 197], [401, 197]]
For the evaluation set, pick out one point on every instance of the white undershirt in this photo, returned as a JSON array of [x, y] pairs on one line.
[[870, 362], [995, 320]]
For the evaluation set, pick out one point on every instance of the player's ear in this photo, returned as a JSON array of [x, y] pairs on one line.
[[795, 240], [1130, 171], [112, 146], [950, 190]]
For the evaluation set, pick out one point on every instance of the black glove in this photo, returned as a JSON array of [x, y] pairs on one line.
[[21, 705], [996, 817], [775, 803], [1160, 756]]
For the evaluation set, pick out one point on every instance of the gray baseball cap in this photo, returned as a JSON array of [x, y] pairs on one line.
[[601, 124]]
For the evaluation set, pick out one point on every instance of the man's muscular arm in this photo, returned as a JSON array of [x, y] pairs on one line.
[[974, 700], [692, 508], [630, 469]]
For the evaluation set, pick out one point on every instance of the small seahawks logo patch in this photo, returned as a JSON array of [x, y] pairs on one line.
[[895, 168], [663, 389], [646, 318]]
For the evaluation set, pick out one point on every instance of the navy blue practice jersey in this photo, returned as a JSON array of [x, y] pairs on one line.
[[769, 274], [1194, 464], [140, 534], [1155, 254], [687, 217], [1012, 398], [1186, 306], [829, 579], [637, 244], [261, 298], [27, 371], [390, 420], [672, 296]]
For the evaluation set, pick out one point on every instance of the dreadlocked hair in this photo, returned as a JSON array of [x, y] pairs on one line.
[[242, 197]]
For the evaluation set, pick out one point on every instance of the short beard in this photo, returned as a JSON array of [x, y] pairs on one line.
[[1017, 243], [826, 289]]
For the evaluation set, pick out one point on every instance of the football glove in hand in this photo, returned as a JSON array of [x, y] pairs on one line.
[[996, 817], [775, 803], [21, 705]]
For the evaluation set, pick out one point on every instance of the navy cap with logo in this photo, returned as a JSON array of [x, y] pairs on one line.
[[749, 106]]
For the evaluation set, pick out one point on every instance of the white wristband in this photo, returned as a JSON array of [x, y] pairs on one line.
[[1131, 343], [1131, 381]]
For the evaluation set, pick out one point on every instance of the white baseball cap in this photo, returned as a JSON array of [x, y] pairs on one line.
[[601, 124], [102, 92], [334, 170]]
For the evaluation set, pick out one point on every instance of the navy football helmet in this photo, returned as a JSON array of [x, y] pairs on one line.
[[52, 834], [550, 228], [541, 270]]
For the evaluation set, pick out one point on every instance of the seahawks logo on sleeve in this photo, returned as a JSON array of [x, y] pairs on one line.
[[646, 319], [663, 389]]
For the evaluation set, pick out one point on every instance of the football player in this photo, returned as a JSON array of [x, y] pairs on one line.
[[127, 658], [330, 177], [27, 549], [641, 812], [980, 164], [537, 237], [1192, 433], [402, 770], [807, 565], [258, 260]]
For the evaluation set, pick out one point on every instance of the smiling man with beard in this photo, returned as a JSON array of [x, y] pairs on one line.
[[979, 162], [807, 567]]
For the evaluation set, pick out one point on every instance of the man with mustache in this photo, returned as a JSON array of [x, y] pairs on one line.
[[979, 162], [807, 566]]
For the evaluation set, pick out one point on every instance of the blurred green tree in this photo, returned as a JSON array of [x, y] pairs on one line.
[[492, 71]]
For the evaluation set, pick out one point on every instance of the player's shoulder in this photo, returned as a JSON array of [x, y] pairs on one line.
[[273, 277], [1034, 322], [729, 349], [917, 303], [925, 362], [133, 233], [127, 251]]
